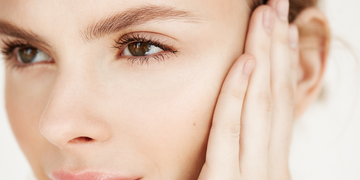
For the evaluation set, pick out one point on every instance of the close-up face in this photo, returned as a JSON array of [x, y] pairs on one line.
[[117, 86]]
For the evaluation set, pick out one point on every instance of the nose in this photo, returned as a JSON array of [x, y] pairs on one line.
[[73, 115]]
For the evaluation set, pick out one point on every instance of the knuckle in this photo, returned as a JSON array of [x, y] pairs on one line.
[[235, 93], [228, 127], [231, 129], [264, 47], [265, 101], [281, 38], [285, 92], [238, 94]]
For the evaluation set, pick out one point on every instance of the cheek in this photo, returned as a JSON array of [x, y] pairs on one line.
[[26, 97], [169, 114]]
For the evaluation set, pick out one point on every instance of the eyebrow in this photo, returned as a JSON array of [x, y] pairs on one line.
[[109, 25], [17, 32], [135, 17]]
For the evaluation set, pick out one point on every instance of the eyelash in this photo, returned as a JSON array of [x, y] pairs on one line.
[[8, 52], [10, 47], [121, 43], [127, 39]]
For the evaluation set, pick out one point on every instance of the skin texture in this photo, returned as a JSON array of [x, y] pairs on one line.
[[152, 120]]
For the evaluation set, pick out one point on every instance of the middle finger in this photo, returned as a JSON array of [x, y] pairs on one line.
[[282, 92], [255, 129]]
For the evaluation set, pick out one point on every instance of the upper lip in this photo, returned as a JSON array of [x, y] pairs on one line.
[[89, 175]]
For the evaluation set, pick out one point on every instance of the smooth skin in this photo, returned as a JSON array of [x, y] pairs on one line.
[[177, 119]]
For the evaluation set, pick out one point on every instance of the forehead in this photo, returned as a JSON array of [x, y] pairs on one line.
[[81, 12], [61, 23]]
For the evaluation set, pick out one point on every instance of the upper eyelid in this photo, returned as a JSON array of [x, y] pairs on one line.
[[160, 39], [122, 44], [155, 35]]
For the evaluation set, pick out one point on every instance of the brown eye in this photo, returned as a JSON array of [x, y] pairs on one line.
[[27, 55], [141, 49], [30, 55]]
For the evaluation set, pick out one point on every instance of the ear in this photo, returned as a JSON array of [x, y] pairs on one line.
[[314, 43]]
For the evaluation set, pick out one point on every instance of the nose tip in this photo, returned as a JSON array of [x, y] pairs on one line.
[[63, 127], [63, 132]]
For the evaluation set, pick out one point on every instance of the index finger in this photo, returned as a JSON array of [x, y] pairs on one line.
[[222, 157]]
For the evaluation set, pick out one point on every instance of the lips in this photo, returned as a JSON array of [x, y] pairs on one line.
[[63, 175]]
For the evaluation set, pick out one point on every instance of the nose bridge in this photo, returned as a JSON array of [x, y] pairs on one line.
[[70, 115]]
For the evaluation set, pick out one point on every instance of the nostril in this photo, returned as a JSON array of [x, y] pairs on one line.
[[81, 140]]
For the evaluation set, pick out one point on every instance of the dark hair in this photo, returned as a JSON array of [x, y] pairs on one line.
[[296, 6]]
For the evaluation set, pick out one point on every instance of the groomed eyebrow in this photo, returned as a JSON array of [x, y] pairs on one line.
[[135, 17], [17, 32]]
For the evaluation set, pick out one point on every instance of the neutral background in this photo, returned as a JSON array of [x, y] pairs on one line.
[[326, 140]]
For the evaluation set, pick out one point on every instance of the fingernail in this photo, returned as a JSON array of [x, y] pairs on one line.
[[282, 9], [293, 36], [268, 20], [248, 67]]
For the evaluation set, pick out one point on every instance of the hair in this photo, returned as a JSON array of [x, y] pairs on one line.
[[296, 6]]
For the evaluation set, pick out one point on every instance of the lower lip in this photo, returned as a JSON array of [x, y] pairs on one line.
[[88, 176]]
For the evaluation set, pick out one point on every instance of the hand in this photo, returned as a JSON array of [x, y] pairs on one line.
[[252, 123]]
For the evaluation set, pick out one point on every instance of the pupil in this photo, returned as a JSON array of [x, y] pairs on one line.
[[27, 55], [139, 48]]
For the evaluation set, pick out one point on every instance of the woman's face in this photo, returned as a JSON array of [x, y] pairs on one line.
[[129, 87]]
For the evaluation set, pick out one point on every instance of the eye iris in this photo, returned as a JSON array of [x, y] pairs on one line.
[[27, 55], [139, 48]]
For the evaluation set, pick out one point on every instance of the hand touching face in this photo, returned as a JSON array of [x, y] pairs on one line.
[[252, 123], [124, 88], [135, 100], [251, 129]]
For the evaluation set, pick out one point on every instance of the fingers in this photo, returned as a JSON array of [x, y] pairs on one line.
[[256, 117], [282, 86], [266, 116], [222, 157], [280, 62]]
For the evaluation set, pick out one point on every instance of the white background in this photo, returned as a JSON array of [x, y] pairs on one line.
[[326, 140]]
